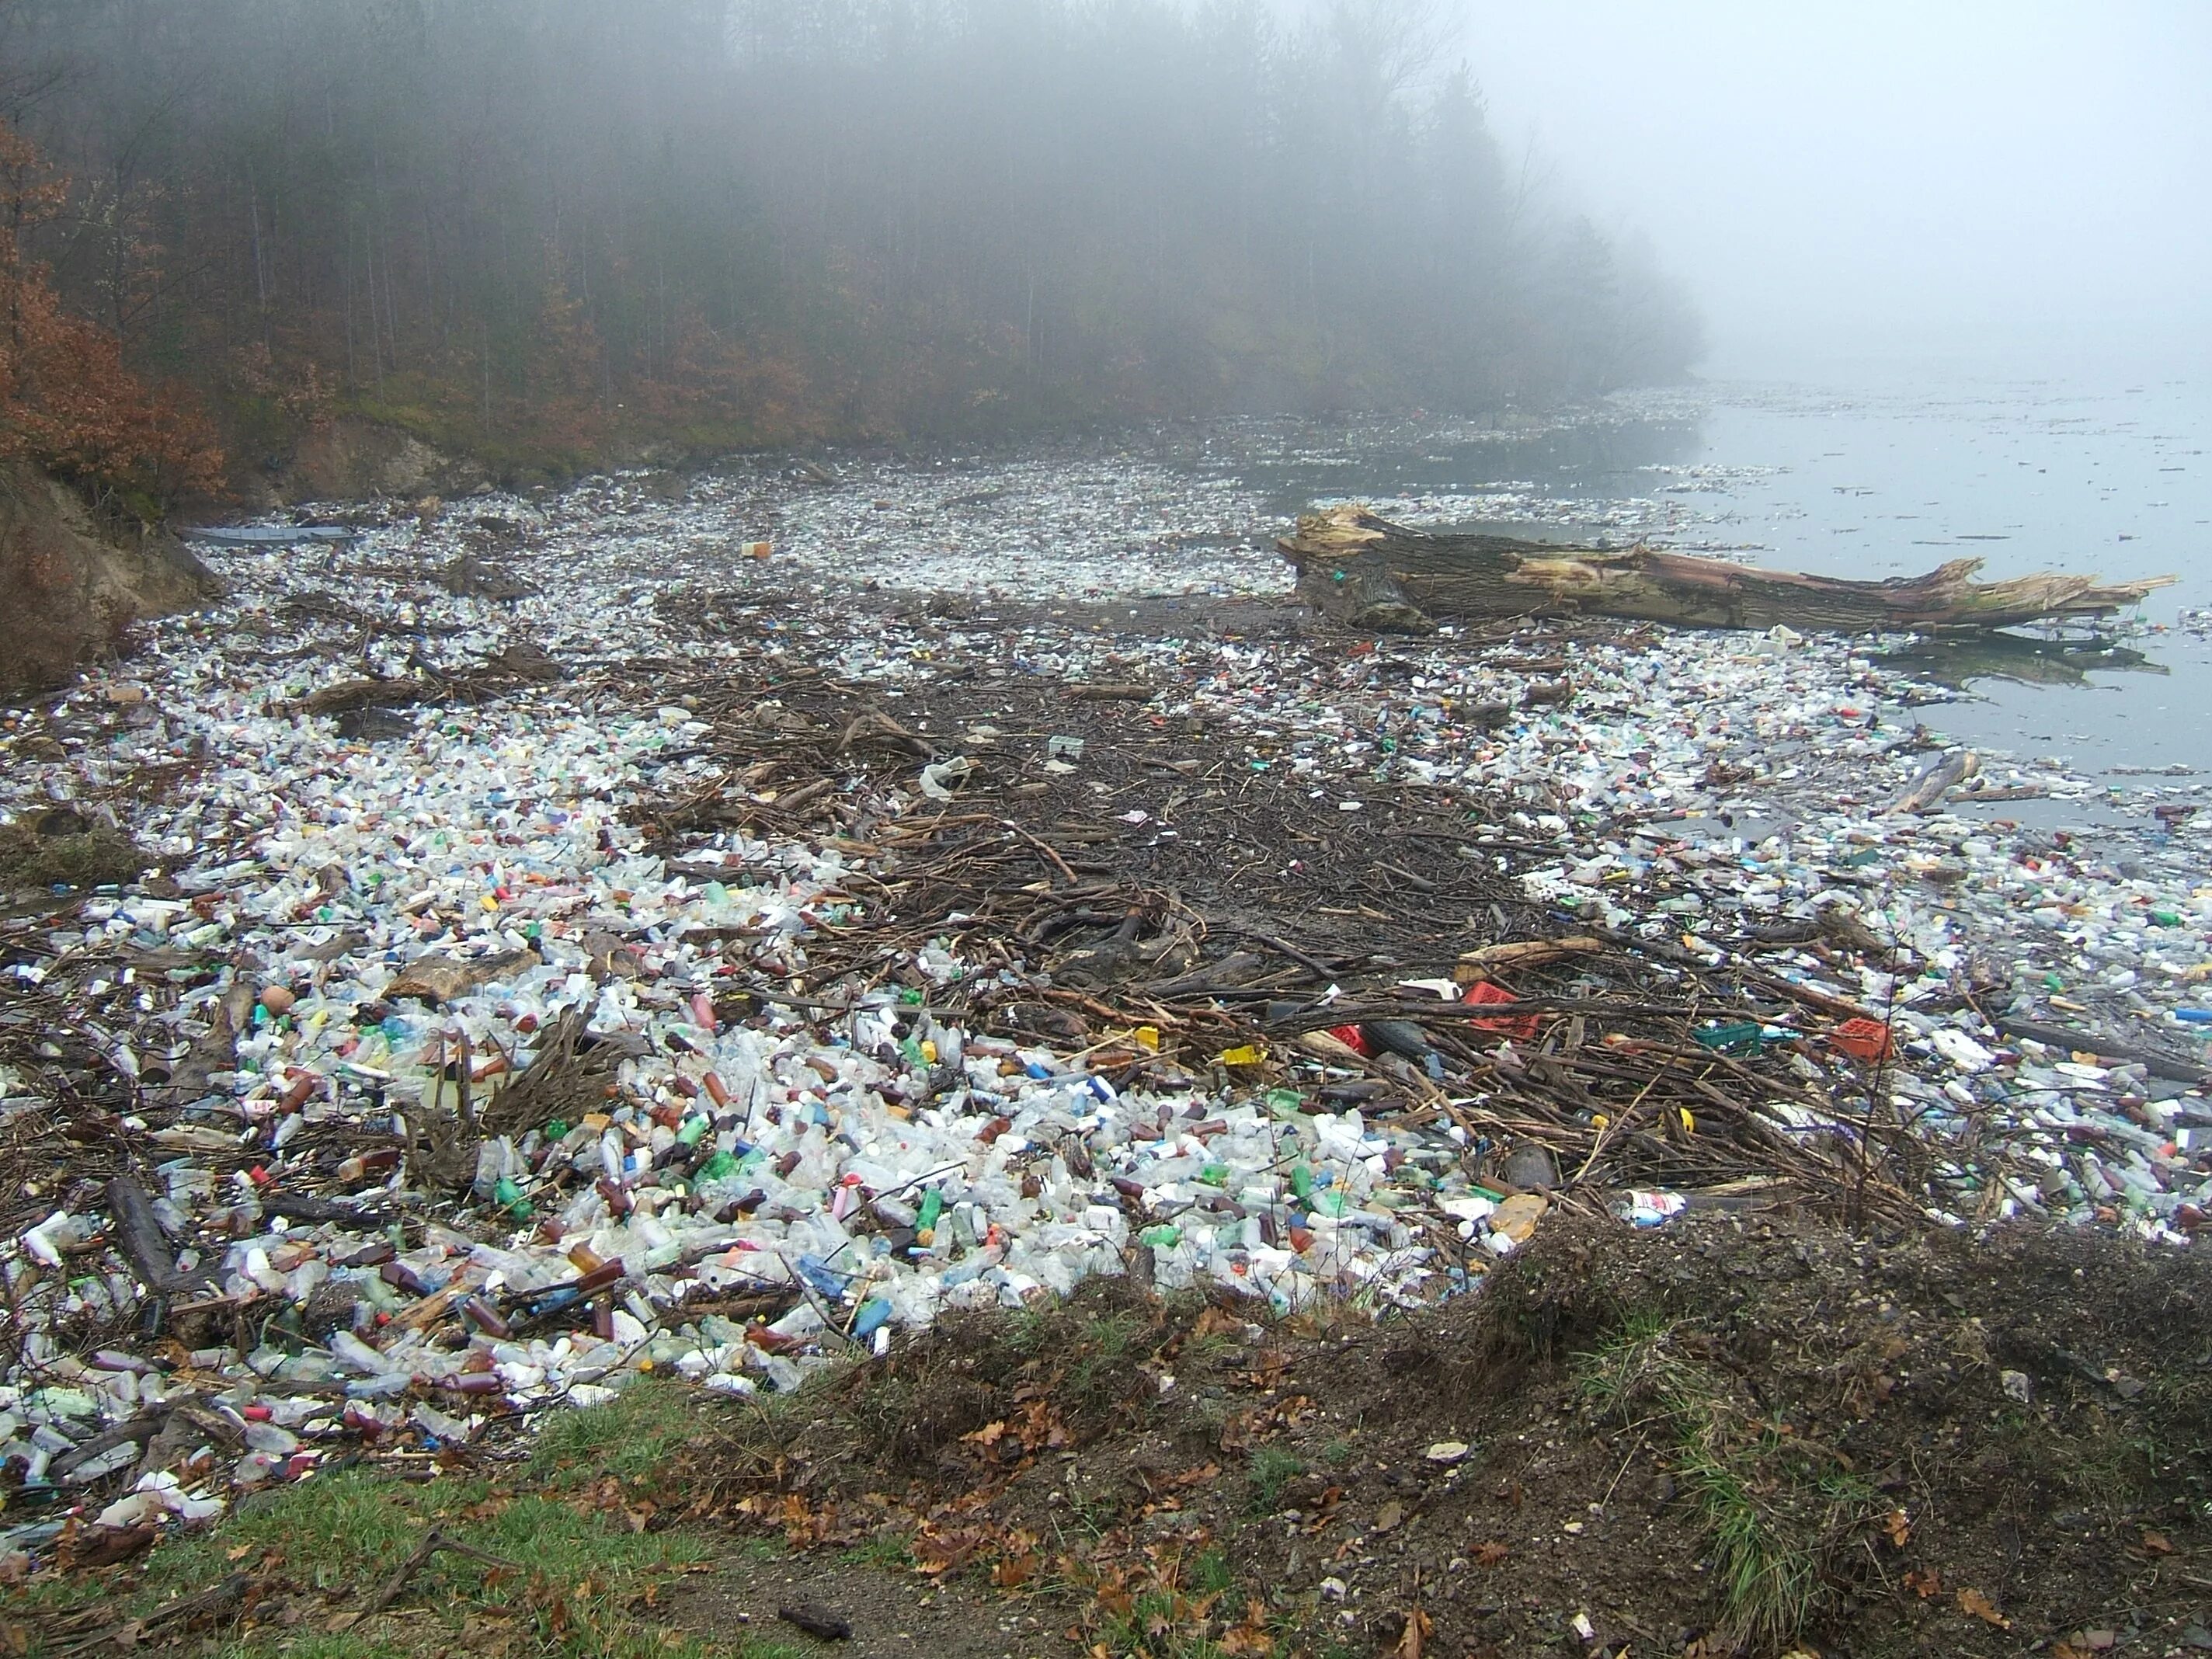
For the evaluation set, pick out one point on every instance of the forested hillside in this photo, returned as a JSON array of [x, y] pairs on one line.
[[544, 231]]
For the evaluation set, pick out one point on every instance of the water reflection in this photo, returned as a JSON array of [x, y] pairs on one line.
[[1958, 661]]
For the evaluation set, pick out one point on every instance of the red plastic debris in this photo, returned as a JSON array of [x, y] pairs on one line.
[[1483, 994], [1862, 1039], [1353, 1038]]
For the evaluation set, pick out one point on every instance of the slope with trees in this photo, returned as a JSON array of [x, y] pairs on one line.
[[541, 231]]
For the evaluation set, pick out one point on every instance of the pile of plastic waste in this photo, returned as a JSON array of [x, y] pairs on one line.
[[432, 1097]]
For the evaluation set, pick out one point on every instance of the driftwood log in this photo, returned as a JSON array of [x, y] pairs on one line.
[[1373, 572]]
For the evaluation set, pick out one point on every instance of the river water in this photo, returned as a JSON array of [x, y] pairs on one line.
[[1874, 482]]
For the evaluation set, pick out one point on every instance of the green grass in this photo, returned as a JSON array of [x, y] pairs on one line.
[[628, 1437], [581, 1579], [891, 1553], [1212, 1348], [1210, 1573], [1777, 1514], [1158, 1626], [1270, 1470], [1769, 1580]]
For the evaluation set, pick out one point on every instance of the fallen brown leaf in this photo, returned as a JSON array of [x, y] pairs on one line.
[[1973, 1601], [1490, 1553], [1215, 1320]]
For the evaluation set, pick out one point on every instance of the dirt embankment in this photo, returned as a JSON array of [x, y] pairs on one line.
[[74, 580], [349, 460], [1738, 1435], [72, 583]]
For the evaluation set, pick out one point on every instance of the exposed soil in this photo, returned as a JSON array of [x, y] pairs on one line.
[[891, 1612], [354, 459], [73, 584], [1755, 1434]]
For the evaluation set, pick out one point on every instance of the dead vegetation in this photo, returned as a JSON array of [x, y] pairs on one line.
[[1749, 1435], [59, 848]]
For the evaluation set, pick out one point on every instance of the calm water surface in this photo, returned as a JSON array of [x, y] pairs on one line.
[[1874, 483]]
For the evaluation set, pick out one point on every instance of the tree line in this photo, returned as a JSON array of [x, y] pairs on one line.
[[540, 230]]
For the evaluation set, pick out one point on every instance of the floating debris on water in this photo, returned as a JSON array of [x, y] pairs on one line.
[[721, 964]]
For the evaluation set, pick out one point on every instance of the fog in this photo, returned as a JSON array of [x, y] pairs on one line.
[[1997, 183], [556, 230]]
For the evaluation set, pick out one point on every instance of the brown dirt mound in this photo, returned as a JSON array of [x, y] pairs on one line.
[[350, 459], [58, 848], [72, 587], [1732, 1435]]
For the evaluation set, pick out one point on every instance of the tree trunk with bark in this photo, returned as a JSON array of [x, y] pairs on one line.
[[1453, 576]]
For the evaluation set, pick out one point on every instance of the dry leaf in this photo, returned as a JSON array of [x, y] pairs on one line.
[[1973, 1601], [1418, 1625], [1489, 1554], [1899, 1525], [1216, 1320], [2156, 1543], [1923, 1584]]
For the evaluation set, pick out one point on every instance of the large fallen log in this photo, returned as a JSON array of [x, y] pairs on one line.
[[1453, 576]]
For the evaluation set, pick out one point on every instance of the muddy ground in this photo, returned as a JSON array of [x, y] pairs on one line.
[[1757, 1434]]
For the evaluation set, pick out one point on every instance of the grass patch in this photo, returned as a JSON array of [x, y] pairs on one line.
[[1087, 1364], [1270, 1470], [578, 1580], [886, 1552], [1777, 1511], [1173, 1608], [628, 1437], [1210, 1573]]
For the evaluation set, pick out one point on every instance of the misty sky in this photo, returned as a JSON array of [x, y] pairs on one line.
[[2014, 184]]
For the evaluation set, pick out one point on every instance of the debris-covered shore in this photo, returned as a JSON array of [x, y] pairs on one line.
[[714, 925]]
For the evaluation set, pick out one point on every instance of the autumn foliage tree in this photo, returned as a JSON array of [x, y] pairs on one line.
[[68, 403], [551, 232]]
